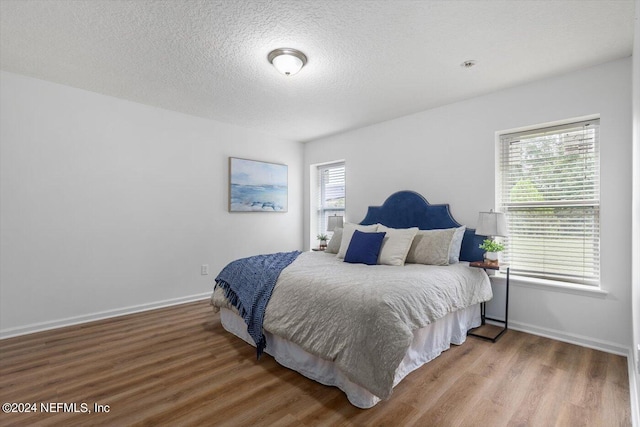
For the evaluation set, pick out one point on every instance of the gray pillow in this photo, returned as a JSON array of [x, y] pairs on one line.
[[431, 247], [334, 244]]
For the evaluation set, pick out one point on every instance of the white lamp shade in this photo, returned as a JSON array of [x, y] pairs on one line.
[[491, 224], [334, 222], [287, 64]]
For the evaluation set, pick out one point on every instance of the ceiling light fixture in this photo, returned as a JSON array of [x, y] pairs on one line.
[[286, 60]]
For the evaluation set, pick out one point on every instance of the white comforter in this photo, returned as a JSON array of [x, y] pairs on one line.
[[361, 317]]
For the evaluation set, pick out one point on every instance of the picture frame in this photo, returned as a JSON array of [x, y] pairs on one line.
[[257, 186]]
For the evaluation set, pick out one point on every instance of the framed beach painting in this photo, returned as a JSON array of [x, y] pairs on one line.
[[257, 186]]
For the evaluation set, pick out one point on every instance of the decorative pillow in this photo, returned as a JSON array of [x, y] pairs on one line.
[[431, 247], [396, 244], [334, 244], [456, 245], [364, 248], [347, 232]]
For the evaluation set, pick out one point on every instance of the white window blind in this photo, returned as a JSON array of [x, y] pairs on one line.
[[549, 189], [332, 193]]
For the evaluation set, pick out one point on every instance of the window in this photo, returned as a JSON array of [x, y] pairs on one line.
[[332, 193], [549, 189]]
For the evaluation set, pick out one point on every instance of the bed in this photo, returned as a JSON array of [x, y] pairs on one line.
[[363, 328]]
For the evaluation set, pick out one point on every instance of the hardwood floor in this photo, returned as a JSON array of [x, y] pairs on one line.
[[177, 366]]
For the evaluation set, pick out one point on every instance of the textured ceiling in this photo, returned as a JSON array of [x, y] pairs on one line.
[[369, 61]]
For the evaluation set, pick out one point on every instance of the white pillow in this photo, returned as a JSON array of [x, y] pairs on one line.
[[431, 247], [347, 234], [456, 245], [334, 244], [395, 245]]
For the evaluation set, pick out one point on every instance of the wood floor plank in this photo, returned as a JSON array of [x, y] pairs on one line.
[[178, 366], [449, 409], [537, 388]]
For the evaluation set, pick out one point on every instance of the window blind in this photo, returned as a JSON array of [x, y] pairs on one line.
[[549, 189], [332, 193]]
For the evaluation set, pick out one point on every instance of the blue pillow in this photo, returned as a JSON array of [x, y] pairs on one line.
[[364, 248]]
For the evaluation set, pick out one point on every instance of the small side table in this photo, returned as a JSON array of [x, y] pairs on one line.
[[505, 322]]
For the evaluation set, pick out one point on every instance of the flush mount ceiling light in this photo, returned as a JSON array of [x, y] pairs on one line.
[[286, 60]]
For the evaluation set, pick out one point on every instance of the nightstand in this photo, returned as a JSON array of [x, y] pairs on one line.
[[493, 335]]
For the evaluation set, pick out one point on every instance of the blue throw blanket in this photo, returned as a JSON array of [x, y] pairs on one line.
[[248, 283]]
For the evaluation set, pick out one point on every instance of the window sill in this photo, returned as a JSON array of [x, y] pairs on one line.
[[552, 285]]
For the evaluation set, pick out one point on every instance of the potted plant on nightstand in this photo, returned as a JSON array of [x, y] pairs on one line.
[[492, 249], [323, 241]]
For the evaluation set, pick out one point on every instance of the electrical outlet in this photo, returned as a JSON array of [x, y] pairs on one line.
[[204, 269]]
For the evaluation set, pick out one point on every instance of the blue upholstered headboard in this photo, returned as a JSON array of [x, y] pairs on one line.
[[406, 209]]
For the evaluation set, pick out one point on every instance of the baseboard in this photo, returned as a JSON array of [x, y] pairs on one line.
[[606, 346], [633, 390], [69, 321]]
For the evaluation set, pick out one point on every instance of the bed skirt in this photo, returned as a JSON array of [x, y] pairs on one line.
[[428, 343]]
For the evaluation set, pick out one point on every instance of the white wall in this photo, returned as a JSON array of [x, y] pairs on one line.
[[636, 218], [447, 154], [109, 206]]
